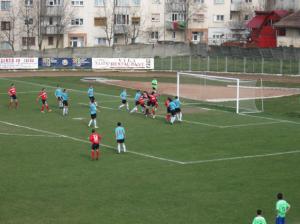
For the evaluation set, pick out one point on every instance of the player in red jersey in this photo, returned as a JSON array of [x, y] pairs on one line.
[[168, 115], [95, 139], [153, 103], [43, 96], [12, 92]]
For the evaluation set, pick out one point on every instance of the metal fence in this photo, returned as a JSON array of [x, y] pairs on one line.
[[229, 64]]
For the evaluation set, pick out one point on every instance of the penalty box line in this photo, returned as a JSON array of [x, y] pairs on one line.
[[85, 141]]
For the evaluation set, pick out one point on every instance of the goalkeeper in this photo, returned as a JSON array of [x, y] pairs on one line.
[[154, 84]]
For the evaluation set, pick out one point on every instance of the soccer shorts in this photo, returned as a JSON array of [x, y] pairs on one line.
[[95, 146], [44, 102], [59, 98], [65, 103], [173, 112], [168, 110], [93, 116], [13, 97], [120, 140], [280, 220], [136, 103], [178, 110], [124, 101], [92, 98]]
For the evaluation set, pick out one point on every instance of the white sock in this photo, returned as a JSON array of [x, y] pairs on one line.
[[119, 148], [95, 123], [173, 119], [122, 105], [133, 110], [127, 106], [124, 147], [90, 123], [180, 116], [177, 116]]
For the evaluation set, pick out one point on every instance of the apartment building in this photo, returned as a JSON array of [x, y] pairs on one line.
[[292, 5], [47, 24]]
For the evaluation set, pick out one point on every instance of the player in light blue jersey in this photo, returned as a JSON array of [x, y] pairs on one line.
[[123, 96], [93, 112], [58, 93], [65, 98], [91, 94], [120, 137], [136, 101], [178, 108], [172, 107]]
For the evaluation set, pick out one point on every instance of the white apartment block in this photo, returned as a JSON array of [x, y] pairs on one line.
[[43, 24]]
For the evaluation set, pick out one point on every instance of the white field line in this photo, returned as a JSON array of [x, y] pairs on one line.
[[204, 124], [86, 141], [242, 157], [25, 92], [272, 119], [28, 135], [155, 157]]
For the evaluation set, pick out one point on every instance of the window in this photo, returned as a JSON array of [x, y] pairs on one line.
[[135, 20], [174, 35], [76, 42], [199, 1], [50, 21], [218, 36], [77, 22], [5, 45], [121, 19], [50, 41], [99, 2], [154, 35], [122, 2], [155, 17], [5, 25], [218, 18], [197, 36], [248, 1], [28, 2], [178, 17], [136, 2], [77, 2], [54, 2], [5, 5], [28, 21], [282, 32], [100, 41], [100, 21], [246, 17], [219, 1], [155, 1], [30, 41], [198, 18]]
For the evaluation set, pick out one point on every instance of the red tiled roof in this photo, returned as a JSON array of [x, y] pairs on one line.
[[291, 21], [281, 13], [257, 21]]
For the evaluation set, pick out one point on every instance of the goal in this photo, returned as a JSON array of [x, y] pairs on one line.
[[242, 96]]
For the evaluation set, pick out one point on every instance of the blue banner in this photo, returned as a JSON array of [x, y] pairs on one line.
[[65, 63]]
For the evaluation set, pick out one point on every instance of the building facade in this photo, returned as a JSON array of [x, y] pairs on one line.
[[43, 24]]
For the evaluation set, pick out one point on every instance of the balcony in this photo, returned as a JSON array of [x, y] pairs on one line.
[[120, 29], [52, 30], [176, 25], [52, 11], [236, 7], [175, 7], [237, 25]]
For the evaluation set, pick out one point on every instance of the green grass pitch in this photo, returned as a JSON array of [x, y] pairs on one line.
[[216, 168]]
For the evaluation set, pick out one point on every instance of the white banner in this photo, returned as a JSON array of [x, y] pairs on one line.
[[19, 63], [123, 63]]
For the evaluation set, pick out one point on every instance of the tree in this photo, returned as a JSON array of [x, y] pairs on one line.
[[109, 26]]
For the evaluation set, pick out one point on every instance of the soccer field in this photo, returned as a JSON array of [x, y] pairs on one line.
[[216, 167]]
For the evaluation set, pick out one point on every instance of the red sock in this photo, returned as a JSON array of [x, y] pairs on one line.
[[97, 154], [168, 116], [153, 111], [92, 154], [47, 107], [43, 107]]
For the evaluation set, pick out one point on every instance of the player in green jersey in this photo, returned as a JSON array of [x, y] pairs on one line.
[[259, 219], [282, 207]]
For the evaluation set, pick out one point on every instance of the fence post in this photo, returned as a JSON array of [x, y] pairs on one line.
[[226, 64], [299, 67], [190, 63], [281, 66], [262, 65], [245, 61], [171, 63], [208, 63]]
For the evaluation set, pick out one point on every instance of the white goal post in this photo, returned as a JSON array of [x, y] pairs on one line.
[[245, 96]]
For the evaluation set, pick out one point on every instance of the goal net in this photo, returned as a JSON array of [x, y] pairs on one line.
[[242, 96]]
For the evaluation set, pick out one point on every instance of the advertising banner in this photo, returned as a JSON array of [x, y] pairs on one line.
[[18, 63], [123, 63], [65, 63]]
